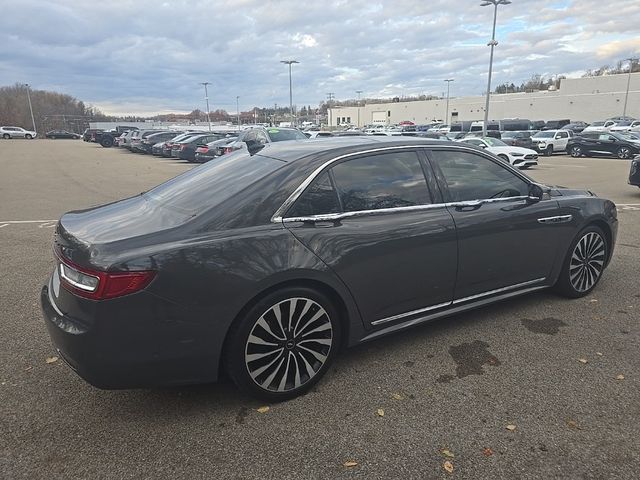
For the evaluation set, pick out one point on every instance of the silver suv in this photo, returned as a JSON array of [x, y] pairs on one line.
[[16, 132]]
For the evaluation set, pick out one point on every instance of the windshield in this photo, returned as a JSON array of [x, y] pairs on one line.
[[544, 135], [212, 183], [597, 124], [278, 135], [494, 142]]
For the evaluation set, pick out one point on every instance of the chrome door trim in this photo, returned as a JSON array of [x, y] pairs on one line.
[[457, 301], [329, 217], [413, 312], [277, 217], [499, 290], [556, 219]]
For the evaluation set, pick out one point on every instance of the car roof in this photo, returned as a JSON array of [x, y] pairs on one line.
[[291, 150]]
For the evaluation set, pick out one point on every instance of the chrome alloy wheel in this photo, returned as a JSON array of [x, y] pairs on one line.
[[587, 261], [288, 344], [624, 152]]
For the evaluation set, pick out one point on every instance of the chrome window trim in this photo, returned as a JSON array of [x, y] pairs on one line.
[[459, 300], [277, 217]]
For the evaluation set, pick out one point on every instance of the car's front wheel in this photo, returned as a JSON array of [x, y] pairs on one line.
[[576, 151], [584, 263], [623, 152], [549, 150], [28, 136], [283, 345]]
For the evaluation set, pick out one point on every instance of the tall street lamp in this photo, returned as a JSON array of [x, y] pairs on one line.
[[206, 97], [626, 95], [446, 117], [238, 109], [290, 62], [31, 108], [491, 44], [358, 92]]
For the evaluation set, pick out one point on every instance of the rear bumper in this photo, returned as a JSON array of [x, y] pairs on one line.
[[126, 348]]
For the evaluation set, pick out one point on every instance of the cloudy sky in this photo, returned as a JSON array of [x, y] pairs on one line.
[[148, 56]]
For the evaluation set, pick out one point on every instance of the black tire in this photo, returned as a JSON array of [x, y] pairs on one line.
[[6, 136], [548, 151], [575, 151], [28, 136], [107, 142], [569, 283], [623, 153], [294, 363]]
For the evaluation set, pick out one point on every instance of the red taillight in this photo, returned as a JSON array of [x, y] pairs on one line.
[[98, 285], [202, 149]]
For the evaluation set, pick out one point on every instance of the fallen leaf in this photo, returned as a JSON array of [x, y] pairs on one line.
[[350, 463], [487, 452], [448, 466], [620, 377], [397, 396], [264, 409], [583, 360], [572, 424], [599, 354], [510, 427], [447, 453], [380, 412], [51, 359]]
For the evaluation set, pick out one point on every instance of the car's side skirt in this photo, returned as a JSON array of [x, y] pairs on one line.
[[456, 307]]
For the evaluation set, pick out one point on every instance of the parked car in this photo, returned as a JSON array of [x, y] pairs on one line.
[[124, 140], [576, 127], [16, 132], [319, 134], [625, 126], [634, 172], [205, 153], [147, 142], [56, 134], [517, 138], [602, 143], [168, 145], [139, 136], [106, 139], [550, 141], [186, 149], [267, 265], [88, 134], [556, 124], [599, 126], [517, 156], [254, 139]]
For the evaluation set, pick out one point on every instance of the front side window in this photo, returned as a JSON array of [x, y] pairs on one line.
[[474, 177], [562, 135], [381, 181]]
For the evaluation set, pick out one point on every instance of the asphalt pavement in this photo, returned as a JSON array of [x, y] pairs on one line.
[[534, 387]]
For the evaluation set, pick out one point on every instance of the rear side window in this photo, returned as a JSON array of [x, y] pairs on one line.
[[474, 177], [320, 198], [381, 181]]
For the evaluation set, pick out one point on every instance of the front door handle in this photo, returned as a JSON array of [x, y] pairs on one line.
[[556, 219]]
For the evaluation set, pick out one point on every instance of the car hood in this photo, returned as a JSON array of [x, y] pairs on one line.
[[511, 149]]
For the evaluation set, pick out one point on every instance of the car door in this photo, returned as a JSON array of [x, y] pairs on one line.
[[375, 223], [561, 139], [607, 144], [505, 240]]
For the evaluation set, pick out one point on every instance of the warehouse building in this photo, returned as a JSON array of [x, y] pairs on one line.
[[587, 99]]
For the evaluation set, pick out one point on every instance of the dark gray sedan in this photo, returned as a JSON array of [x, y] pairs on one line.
[[267, 265]]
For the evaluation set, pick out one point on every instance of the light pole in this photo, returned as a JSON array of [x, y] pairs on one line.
[[446, 117], [330, 96], [206, 97], [31, 108], [238, 109], [358, 92], [290, 62], [491, 44], [626, 95]]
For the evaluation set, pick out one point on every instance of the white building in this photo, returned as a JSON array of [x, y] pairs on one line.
[[587, 99]]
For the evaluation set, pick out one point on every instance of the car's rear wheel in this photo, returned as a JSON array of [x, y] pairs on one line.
[[584, 263], [576, 151], [549, 150], [283, 345], [6, 136], [106, 142], [623, 152]]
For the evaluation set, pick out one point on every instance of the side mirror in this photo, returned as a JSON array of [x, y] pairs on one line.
[[536, 192]]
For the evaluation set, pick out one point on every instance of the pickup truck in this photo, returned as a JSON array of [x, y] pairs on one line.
[[549, 141], [108, 139]]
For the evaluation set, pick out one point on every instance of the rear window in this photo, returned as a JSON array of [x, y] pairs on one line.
[[212, 183], [278, 135]]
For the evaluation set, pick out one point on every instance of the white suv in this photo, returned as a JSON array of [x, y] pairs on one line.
[[549, 141], [16, 132]]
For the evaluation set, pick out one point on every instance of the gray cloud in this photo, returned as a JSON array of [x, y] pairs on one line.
[[148, 56]]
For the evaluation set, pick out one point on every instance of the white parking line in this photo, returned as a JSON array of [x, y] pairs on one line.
[[4, 225], [9, 222]]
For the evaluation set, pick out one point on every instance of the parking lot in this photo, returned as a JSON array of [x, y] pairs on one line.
[[535, 387]]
